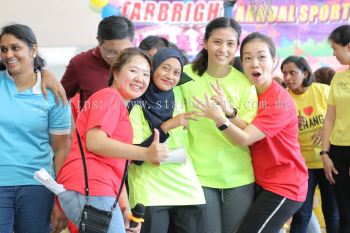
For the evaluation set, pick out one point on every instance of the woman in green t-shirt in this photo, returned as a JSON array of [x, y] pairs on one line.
[[224, 169], [170, 191]]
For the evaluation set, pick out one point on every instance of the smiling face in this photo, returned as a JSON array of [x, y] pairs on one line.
[[167, 75], [294, 77], [133, 78], [16, 55], [221, 45], [341, 53], [258, 63]]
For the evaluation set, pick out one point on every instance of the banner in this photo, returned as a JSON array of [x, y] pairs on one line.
[[297, 27]]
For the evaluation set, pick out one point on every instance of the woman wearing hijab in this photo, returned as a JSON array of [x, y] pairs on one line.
[[171, 192]]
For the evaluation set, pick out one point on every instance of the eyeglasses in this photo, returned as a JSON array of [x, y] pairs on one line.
[[110, 53]]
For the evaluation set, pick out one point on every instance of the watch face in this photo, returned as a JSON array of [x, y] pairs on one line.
[[223, 126]]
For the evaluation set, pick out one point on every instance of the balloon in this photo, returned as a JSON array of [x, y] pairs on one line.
[[99, 3], [94, 8], [110, 10]]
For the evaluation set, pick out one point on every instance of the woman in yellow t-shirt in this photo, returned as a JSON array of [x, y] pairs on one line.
[[336, 133], [311, 103]]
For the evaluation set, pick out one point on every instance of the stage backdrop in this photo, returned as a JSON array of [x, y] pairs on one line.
[[297, 27]]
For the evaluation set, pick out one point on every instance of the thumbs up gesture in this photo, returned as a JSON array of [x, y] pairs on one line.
[[157, 152]]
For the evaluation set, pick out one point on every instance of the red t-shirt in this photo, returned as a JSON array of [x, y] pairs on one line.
[[108, 112], [277, 161]]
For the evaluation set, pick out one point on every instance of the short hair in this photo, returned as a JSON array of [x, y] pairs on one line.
[[302, 65], [25, 34], [151, 42], [124, 57], [115, 28], [324, 75]]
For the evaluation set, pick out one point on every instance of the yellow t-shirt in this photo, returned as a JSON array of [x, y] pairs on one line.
[[313, 106], [339, 96]]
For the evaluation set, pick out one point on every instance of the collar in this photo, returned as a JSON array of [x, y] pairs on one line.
[[96, 52], [37, 85]]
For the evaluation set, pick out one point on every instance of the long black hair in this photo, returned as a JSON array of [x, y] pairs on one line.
[[303, 66], [25, 34], [200, 64]]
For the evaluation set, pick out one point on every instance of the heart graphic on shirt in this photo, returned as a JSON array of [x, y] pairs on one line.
[[308, 110]]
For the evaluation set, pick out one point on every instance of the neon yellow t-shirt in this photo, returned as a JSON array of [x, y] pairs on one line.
[[313, 106], [168, 184], [218, 162], [339, 96]]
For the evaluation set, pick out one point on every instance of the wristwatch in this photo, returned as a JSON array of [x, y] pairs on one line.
[[324, 152], [234, 114], [224, 125]]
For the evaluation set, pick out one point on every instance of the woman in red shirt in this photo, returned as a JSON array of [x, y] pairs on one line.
[[106, 136], [280, 170]]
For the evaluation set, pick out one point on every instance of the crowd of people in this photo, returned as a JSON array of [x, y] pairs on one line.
[[212, 146]]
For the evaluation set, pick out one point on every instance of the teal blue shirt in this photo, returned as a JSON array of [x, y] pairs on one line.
[[26, 121]]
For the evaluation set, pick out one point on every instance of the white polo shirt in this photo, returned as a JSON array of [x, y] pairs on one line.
[[26, 121]]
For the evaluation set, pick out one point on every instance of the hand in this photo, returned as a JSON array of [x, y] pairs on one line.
[[157, 152], [49, 81], [220, 98], [179, 120], [136, 229], [301, 121], [210, 110], [317, 137], [329, 168], [58, 220]]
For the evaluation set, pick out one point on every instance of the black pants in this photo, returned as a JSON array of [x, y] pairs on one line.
[[184, 219], [340, 156], [268, 213]]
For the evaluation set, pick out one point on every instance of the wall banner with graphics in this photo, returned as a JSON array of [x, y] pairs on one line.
[[298, 27]]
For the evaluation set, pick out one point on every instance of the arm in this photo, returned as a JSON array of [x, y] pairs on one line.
[[327, 131], [59, 144], [178, 120], [241, 137], [98, 142], [49, 81], [60, 147], [126, 211], [70, 80]]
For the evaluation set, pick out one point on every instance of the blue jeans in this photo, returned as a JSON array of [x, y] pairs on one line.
[[73, 203], [329, 206], [25, 208]]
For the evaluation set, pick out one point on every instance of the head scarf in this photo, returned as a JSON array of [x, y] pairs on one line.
[[157, 105]]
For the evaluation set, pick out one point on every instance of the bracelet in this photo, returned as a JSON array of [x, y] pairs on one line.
[[125, 208], [324, 152], [234, 113]]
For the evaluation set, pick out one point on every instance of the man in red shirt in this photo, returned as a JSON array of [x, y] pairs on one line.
[[88, 72]]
